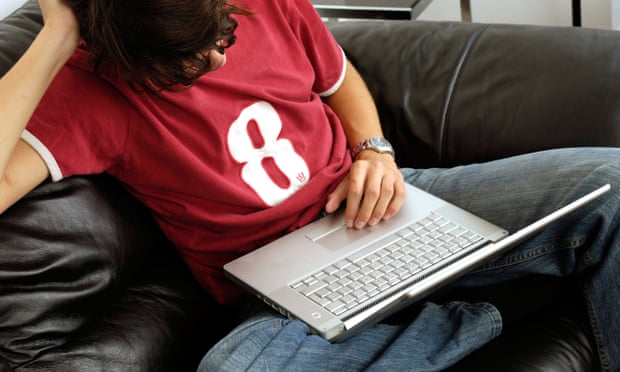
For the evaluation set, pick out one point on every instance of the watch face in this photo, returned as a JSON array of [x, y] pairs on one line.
[[381, 144], [378, 141]]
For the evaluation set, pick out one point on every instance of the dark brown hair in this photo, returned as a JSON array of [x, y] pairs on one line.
[[156, 44]]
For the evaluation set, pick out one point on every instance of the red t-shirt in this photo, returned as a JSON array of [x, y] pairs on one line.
[[247, 154]]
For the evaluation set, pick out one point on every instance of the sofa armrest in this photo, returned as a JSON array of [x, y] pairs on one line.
[[452, 93]]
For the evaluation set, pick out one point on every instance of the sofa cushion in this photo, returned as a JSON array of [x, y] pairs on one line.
[[89, 282], [65, 253]]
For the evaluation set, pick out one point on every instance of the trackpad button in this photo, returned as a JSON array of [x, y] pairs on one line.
[[342, 237]]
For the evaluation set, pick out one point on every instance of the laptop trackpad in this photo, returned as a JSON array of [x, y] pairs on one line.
[[330, 232], [342, 237]]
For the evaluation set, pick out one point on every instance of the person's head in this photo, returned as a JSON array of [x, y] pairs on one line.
[[156, 44]]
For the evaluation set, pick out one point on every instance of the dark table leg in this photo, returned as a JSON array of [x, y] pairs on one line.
[[466, 10], [576, 7]]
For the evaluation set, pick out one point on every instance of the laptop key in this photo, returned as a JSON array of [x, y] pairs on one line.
[[336, 307], [308, 290]]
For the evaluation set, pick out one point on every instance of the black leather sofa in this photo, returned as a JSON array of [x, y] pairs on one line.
[[89, 283]]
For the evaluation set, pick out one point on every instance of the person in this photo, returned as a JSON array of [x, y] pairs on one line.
[[256, 104]]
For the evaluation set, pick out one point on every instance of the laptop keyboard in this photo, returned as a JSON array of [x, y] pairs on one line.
[[368, 274]]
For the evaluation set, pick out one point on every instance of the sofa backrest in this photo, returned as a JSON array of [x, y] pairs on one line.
[[17, 32], [452, 93]]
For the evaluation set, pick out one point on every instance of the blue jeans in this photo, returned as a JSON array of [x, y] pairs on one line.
[[511, 193]]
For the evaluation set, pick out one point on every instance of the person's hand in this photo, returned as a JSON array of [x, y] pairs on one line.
[[59, 18], [374, 190]]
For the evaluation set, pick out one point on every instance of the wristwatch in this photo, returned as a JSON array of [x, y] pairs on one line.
[[378, 144]]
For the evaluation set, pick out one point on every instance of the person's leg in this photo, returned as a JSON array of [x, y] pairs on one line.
[[511, 193], [584, 245], [438, 337]]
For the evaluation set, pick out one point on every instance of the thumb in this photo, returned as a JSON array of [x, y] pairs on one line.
[[335, 198]]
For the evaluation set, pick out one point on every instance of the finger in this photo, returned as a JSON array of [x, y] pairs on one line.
[[336, 197], [398, 199], [372, 195], [384, 201], [355, 192], [391, 198]]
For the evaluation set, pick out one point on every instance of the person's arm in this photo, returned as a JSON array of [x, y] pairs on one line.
[[374, 188], [21, 89]]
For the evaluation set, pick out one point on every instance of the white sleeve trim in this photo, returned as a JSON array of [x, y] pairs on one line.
[[338, 83], [45, 154]]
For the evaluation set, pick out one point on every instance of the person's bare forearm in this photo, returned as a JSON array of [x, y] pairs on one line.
[[356, 109], [374, 188], [22, 87]]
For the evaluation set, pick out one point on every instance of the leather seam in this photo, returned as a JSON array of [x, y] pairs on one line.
[[454, 82]]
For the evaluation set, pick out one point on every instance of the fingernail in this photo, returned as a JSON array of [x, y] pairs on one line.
[[349, 223], [360, 224], [373, 221]]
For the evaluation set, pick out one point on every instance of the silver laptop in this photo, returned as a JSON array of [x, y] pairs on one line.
[[339, 280]]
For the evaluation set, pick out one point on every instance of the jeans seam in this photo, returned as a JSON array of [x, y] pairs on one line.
[[539, 251], [596, 332]]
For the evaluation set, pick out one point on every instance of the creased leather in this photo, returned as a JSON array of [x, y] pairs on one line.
[[88, 283], [519, 88]]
